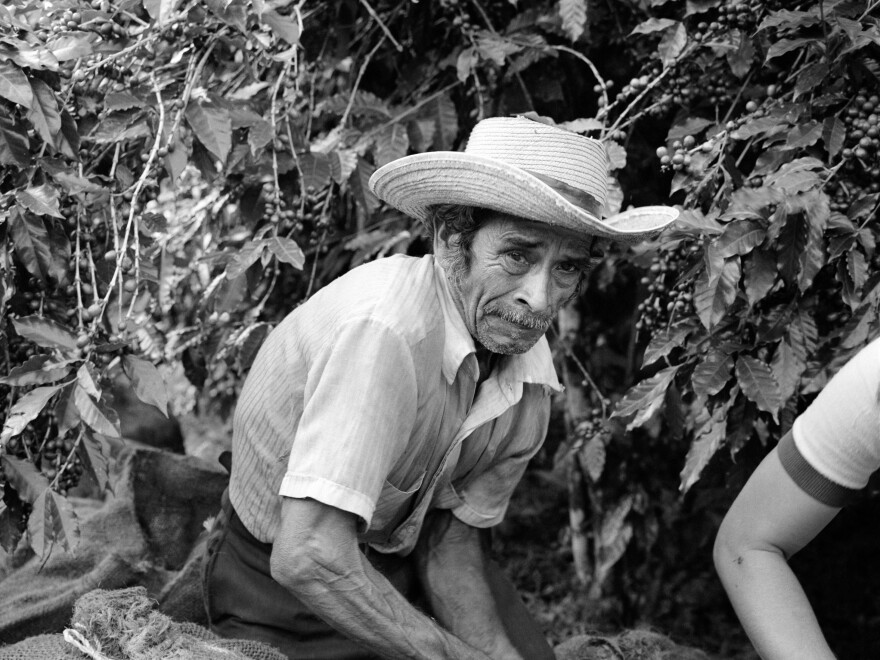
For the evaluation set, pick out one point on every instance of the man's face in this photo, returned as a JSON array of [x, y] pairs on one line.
[[520, 274]]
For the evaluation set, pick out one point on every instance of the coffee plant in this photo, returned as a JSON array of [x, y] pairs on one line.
[[769, 283], [177, 176]]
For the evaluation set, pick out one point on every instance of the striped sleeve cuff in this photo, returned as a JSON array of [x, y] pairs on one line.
[[808, 478], [329, 493]]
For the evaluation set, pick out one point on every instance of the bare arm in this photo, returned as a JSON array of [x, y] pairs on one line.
[[315, 556], [770, 520], [451, 565]]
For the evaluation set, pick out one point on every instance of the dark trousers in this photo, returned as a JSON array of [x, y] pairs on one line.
[[244, 602]]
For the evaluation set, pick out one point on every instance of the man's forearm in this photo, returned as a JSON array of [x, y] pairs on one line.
[[453, 572], [363, 605], [462, 601], [316, 557]]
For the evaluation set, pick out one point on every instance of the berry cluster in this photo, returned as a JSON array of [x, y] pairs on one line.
[[862, 142], [680, 159], [458, 14], [74, 19], [276, 208], [309, 213], [670, 292], [51, 454], [734, 15], [629, 91]]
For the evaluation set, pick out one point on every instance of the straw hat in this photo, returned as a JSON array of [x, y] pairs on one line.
[[522, 167]]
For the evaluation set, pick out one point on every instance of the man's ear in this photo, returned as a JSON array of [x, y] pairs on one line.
[[442, 237]]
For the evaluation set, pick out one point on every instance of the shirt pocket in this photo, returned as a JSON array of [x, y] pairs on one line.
[[394, 505]]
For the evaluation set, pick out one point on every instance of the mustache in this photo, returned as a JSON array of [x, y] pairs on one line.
[[526, 319]]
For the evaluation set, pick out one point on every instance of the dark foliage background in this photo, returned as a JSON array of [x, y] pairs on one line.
[[178, 174]]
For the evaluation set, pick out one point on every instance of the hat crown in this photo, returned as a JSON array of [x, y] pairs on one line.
[[544, 150]]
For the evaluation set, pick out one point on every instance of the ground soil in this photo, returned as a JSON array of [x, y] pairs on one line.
[[838, 570]]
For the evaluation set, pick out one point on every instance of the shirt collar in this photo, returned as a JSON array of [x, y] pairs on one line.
[[533, 366]]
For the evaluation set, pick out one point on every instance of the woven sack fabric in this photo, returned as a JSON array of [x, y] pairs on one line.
[[146, 533], [54, 647], [124, 624], [41, 647], [628, 645]]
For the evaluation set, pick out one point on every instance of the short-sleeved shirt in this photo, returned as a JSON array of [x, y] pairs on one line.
[[834, 446], [365, 398]]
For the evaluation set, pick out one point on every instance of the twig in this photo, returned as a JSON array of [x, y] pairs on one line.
[[870, 8], [45, 439], [644, 92], [586, 374], [131, 224], [193, 73], [276, 195], [596, 74], [77, 279], [409, 111], [10, 396], [113, 223], [632, 120], [258, 308], [870, 216], [357, 81], [745, 150], [485, 16], [382, 25], [589, 379], [133, 216], [517, 75], [738, 95], [310, 108], [294, 63], [69, 460], [318, 247], [120, 53], [832, 172]]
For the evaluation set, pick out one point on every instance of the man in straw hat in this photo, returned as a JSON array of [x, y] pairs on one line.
[[386, 421]]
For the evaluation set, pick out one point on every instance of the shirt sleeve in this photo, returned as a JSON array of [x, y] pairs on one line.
[[483, 500], [838, 436], [359, 410]]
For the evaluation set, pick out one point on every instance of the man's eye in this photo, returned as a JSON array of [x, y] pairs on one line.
[[517, 257], [568, 269]]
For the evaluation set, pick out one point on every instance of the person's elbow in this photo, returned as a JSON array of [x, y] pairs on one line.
[[315, 544], [739, 546], [296, 565], [308, 557], [727, 550]]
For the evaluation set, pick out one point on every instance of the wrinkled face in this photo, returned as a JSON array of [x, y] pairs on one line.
[[520, 274]]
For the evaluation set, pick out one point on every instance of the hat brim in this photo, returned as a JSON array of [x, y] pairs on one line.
[[414, 183]]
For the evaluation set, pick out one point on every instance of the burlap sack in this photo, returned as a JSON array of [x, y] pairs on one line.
[[123, 624], [146, 533], [628, 645]]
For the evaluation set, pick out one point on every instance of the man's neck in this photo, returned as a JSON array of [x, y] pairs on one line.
[[486, 361]]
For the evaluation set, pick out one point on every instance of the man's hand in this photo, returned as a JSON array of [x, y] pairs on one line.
[[316, 557]]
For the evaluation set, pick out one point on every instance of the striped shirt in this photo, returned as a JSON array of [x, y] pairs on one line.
[[365, 398], [834, 445]]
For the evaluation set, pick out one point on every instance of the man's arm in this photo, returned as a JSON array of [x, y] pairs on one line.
[[770, 520], [316, 557], [452, 568]]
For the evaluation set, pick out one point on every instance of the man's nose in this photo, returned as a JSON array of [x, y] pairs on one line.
[[536, 291]]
